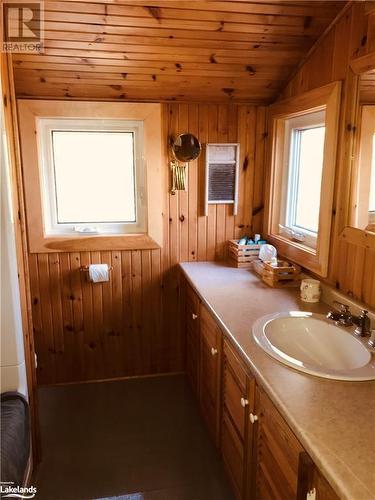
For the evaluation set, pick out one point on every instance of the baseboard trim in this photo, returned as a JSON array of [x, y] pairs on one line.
[[113, 379]]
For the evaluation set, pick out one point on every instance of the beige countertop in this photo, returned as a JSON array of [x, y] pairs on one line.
[[334, 420]]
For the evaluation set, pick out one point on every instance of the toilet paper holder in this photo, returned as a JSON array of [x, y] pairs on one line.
[[85, 269]]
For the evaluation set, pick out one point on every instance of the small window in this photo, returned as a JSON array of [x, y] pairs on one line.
[[93, 176], [301, 176], [303, 180]]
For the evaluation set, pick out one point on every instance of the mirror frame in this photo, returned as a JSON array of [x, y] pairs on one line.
[[196, 141], [350, 234]]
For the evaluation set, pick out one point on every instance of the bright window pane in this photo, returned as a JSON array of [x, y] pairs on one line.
[[372, 185], [309, 178], [94, 177]]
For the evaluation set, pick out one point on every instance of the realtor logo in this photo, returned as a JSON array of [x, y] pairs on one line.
[[8, 490], [22, 26]]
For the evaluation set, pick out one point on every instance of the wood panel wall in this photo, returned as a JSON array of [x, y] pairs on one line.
[[130, 326], [352, 268]]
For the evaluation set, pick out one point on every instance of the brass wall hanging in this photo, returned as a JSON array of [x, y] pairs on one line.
[[185, 148]]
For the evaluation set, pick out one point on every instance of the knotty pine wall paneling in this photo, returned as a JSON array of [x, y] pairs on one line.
[[130, 326], [352, 268]]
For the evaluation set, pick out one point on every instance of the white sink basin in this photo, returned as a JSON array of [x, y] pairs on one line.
[[310, 343]]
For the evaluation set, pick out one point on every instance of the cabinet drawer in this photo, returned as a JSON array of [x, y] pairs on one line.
[[233, 395], [209, 328], [191, 316], [192, 299], [233, 455], [192, 361], [210, 366], [234, 362], [209, 408]]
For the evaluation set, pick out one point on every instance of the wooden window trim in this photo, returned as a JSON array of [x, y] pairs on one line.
[[328, 98], [150, 114], [359, 237]]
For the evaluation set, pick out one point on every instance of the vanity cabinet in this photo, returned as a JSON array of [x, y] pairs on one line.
[[238, 402], [281, 468], [210, 371], [263, 458], [192, 321], [203, 359]]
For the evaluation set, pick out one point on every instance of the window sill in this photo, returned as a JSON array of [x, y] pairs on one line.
[[81, 243]]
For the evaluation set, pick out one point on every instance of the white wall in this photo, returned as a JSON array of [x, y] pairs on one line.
[[12, 360]]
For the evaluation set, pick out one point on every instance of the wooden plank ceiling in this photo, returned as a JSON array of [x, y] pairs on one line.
[[171, 50]]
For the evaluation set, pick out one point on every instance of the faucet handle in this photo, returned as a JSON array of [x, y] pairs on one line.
[[371, 340], [344, 308], [363, 323]]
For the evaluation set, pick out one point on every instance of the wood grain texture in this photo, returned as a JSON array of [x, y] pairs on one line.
[[351, 268], [130, 326], [277, 453], [168, 50]]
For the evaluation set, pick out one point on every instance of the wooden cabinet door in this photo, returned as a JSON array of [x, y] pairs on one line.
[[323, 490], [192, 338], [276, 453], [238, 400], [210, 364]]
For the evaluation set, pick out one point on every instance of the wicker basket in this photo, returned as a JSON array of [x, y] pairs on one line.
[[242, 255], [284, 275]]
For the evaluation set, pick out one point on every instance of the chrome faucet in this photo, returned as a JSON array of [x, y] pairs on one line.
[[344, 317]]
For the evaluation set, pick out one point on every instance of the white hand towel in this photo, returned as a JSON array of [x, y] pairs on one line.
[[99, 273]]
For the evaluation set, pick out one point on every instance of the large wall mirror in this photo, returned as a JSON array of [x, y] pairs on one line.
[[361, 229]]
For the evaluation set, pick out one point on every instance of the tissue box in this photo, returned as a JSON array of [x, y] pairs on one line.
[[242, 255]]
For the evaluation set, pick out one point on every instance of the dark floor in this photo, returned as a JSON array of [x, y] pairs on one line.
[[140, 439]]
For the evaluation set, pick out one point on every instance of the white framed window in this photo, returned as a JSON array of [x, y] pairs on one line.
[[301, 176], [302, 182], [93, 176]]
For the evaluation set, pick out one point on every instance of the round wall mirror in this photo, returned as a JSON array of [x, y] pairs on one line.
[[186, 148]]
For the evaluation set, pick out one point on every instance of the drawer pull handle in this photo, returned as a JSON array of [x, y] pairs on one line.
[[194, 316], [244, 402], [253, 418], [213, 351]]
